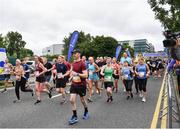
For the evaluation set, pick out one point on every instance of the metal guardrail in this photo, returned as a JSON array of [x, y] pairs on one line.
[[170, 93]]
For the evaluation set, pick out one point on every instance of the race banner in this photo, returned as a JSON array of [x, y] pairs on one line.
[[72, 43], [128, 52], [118, 51], [2, 58]]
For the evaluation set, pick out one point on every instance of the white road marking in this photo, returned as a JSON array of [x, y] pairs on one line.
[[55, 96]]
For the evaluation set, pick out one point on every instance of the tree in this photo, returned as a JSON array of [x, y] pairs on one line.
[[14, 43], [104, 46], [2, 43], [83, 41], [26, 53], [93, 46], [167, 12]]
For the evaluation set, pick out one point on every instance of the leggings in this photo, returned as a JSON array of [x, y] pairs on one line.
[[22, 84], [136, 84], [142, 84], [178, 82], [128, 84]]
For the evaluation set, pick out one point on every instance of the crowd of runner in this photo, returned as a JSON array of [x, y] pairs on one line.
[[103, 73]]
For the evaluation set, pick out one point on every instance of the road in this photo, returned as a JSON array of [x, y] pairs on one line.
[[121, 113]]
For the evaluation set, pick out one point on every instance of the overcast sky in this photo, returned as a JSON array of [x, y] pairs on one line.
[[46, 22]]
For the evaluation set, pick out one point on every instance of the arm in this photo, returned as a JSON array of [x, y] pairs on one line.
[[102, 70], [97, 68], [148, 70]]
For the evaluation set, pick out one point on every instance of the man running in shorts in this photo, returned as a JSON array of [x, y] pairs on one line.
[[78, 76]]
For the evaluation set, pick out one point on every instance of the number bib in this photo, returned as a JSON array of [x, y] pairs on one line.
[[141, 74], [59, 75], [37, 73], [76, 79], [108, 78]]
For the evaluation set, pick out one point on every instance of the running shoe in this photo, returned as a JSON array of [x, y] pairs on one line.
[[38, 101], [86, 116], [143, 99], [63, 102], [128, 97], [49, 94], [4, 91], [131, 95], [89, 100], [108, 99], [111, 98], [73, 120], [17, 101], [124, 89]]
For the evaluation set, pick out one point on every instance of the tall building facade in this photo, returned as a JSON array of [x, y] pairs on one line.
[[139, 45], [55, 49]]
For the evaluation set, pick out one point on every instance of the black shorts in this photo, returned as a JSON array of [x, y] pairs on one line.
[[115, 76], [128, 84], [61, 83], [47, 78], [80, 90], [7, 77], [108, 84], [41, 79]]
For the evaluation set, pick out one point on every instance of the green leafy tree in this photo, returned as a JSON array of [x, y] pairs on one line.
[[14, 43], [167, 12], [2, 43], [26, 53]]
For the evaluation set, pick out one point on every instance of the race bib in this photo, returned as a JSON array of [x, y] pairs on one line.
[[141, 74], [108, 78], [153, 65], [90, 73], [59, 75], [76, 79], [126, 76]]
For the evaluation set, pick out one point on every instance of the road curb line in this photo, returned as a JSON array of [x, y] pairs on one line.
[[158, 105]]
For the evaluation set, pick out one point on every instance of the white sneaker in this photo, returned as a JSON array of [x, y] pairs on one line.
[[140, 95], [143, 99], [124, 89]]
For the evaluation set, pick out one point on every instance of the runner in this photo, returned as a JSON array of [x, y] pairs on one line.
[[116, 75], [159, 66], [7, 74], [26, 70], [107, 71], [142, 71], [20, 81], [127, 75], [93, 69], [135, 62], [78, 87], [154, 70], [40, 79], [61, 72], [48, 74], [100, 64], [123, 59]]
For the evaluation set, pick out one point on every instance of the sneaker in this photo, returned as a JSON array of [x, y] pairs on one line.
[[108, 99], [89, 100], [140, 95], [73, 120], [128, 97], [131, 95], [17, 101], [143, 99], [4, 91], [49, 94], [38, 101], [86, 116], [63, 102], [124, 89], [111, 98]]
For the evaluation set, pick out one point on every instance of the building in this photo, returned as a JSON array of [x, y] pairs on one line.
[[139, 45], [128, 42], [55, 49]]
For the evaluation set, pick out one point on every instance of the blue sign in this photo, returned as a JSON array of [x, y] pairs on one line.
[[2, 58], [128, 53], [118, 50], [72, 43], [162, 54]]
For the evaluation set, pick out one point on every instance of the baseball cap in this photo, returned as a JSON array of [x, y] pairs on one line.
[[76, 51]]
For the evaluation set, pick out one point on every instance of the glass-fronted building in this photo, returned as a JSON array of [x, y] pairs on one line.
[[141, 46]]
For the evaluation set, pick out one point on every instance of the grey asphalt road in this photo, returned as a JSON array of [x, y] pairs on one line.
[[121, 113]]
